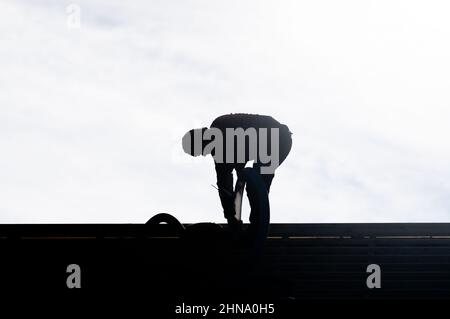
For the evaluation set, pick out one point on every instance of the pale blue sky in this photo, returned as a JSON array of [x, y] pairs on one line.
[[91, 118]]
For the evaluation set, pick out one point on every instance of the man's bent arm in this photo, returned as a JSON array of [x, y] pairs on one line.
[[225, 184]]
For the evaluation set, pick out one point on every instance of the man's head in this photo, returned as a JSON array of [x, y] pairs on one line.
[[193, 142]]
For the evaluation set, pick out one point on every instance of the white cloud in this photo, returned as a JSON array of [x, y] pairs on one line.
[[89, 117]]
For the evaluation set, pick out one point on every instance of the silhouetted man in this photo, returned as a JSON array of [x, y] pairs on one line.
[[235, 139]]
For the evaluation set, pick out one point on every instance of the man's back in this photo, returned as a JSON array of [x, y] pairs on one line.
[[249, 121], [245, 121]]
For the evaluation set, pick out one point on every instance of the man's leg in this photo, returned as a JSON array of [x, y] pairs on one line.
[[284, 149], [267, 180]]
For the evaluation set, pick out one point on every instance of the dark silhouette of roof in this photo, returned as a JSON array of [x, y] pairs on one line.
[[297, 261]]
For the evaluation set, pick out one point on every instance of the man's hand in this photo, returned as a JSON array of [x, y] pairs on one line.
[[234, 224], [229, 211]]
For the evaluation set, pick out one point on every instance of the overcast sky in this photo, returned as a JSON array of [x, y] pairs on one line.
[[91, 118]]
